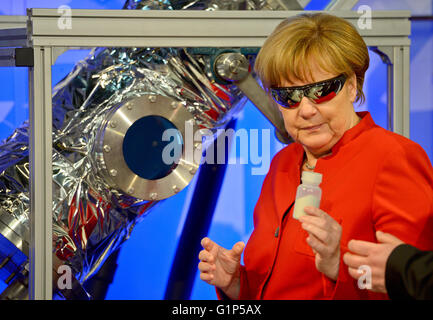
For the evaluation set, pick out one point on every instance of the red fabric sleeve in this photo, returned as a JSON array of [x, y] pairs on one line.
[[343, 280], [403, 197], [402, 205]]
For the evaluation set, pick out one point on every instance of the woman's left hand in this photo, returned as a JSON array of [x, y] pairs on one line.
[[324, 234]]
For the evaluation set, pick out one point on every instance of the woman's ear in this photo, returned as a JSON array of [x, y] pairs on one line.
[[352, 87]]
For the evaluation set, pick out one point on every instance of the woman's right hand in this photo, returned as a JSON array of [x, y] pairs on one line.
[[221, 267]]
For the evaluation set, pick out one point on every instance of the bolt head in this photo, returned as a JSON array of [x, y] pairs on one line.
[[153, 196], [107, 148], [152, 98], [113, 124], [113, 172]]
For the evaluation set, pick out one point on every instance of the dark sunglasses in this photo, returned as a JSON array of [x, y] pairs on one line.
[[319, 92]]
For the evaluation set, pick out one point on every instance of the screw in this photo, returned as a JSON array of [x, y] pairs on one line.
[[153, 196], [131, 190], [152, 98], [193, 170], [113, 124], [107, 148], [113, 172], [176, 189], [4, 262], [128, 106], [174, 105]]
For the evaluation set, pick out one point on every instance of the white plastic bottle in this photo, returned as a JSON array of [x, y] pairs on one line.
[[308, 193]]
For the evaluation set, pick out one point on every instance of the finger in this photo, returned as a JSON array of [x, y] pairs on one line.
[[319, 233], [387, 238], [208, 244], [206, 256], [354, 273], [317, 246], [354, 261], [206, 276], [237, 250], [360, 247], [313, 211], [205, 267], [317, 221]]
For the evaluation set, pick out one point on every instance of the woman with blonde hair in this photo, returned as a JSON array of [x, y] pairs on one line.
[[313, 65]]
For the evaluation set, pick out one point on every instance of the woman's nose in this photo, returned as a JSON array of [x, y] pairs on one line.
[[307, 108]]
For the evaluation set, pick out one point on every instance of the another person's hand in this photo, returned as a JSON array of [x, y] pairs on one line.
[[373, 255], [324, 234], [221, 267]]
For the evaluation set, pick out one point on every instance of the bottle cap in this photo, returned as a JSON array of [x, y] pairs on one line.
[[311, 177]]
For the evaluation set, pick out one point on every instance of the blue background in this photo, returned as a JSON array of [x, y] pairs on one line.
[[146, 258]]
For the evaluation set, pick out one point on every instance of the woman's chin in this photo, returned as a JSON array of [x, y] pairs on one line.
[[317, 146]]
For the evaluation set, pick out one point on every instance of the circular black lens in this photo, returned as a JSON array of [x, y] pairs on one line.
[[146, 153]]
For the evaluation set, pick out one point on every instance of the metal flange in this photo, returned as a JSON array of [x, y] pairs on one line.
[[136, 177]]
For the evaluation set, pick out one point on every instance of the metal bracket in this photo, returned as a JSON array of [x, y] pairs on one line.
[[234, 67], [397, 60], [385, 53], [24, 57]]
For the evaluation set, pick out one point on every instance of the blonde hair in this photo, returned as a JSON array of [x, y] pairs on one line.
[[305, 41]]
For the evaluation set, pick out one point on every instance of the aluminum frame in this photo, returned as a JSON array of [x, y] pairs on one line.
[[128, 28]]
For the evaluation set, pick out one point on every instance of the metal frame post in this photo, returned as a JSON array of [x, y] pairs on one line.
[[397, 59], [400, 92], [40, 140]]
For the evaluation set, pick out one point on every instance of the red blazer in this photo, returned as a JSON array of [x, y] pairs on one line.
[[373, 180]]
